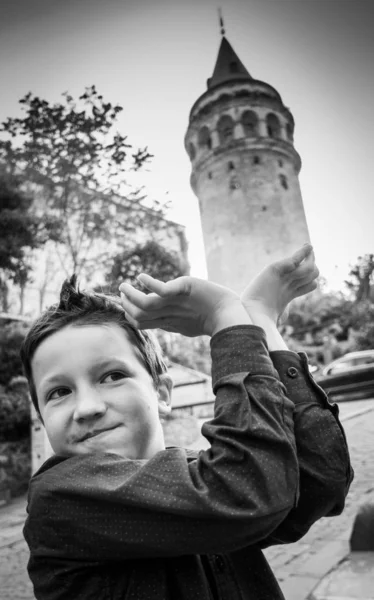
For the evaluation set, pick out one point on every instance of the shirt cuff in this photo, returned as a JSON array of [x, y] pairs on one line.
[[240, 349], [294, 373]]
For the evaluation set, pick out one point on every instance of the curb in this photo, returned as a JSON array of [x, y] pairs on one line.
[[311, 595], [356, 414]]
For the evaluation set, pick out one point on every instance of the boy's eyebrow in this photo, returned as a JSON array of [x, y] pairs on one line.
[[99, 364]]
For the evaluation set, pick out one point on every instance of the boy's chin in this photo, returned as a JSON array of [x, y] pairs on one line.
[[123, 452]]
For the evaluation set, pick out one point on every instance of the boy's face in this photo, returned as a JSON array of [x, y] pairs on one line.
[[96, 395]]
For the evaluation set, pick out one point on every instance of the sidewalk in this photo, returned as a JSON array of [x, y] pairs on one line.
[[302, 566], [352, 579], [14, 580], [305, 570]]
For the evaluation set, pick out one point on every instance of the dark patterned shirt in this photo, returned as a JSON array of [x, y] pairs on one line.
[[190, 526]]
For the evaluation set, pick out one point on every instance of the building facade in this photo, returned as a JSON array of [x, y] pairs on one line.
[[52, 264], [244, 172]]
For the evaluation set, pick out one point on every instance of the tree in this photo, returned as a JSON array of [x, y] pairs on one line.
[[76, 166], [151, 258], [317, 312], [21, 231], [345, 321], [361, 278], [11, 337]]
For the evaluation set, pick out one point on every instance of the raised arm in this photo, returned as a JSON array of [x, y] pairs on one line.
[[323, 456], [324, 463]]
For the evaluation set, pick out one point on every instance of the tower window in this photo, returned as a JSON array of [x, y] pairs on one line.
[[289, 131], [264, 208], [250, 123], [223, 98], [280, 163], [283, 181], [256, 160], [273, 126], [204, 139], [210, 176], [191, 151], [231, 166], [234, 183], [225, 128]]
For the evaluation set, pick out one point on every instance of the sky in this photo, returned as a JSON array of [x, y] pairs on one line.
[[153, 57]]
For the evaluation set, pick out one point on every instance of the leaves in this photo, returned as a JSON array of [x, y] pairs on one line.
[[11, 337], [361, 278], [151, 258], [74, 163], [21, 230]]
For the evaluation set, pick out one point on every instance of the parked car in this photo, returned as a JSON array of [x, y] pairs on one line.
[[349, 377]]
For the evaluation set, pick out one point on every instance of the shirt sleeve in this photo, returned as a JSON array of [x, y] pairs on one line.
[[324, 462], [103, 507]]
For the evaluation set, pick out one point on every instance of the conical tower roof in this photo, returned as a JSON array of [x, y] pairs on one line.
[[228, 66]]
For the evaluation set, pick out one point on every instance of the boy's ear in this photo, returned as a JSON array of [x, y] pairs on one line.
[[164, 394]]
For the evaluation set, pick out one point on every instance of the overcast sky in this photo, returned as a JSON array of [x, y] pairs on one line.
[[153, 57]]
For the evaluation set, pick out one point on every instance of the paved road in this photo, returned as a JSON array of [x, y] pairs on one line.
[[298, 567], [347, 409]]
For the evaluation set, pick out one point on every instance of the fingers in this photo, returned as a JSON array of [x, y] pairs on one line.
[[176, 287], [141, 307], [140, 299], [305, 289], [304, 252], [150, 311], [159, 323], [292, 263], [305, 276]]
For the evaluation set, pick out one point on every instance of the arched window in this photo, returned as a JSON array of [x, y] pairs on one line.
[[283, 181], [250, 123], [273, 126], [223, 98], [289, 130], [225, 127], [191, 151], [205, 140]]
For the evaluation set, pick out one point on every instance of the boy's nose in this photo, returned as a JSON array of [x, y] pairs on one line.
[[89, 404]]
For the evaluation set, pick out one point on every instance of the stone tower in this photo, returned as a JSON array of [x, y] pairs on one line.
[[244, 172]]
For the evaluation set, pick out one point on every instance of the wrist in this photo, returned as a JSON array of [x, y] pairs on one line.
[[273, 337], [229, 316], [256, 308]]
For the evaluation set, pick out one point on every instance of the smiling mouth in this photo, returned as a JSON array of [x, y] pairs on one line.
[[93, 434]]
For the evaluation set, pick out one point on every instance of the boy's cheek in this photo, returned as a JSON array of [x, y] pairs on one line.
[[56, 433]]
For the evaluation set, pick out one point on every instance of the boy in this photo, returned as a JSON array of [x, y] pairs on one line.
[[114, 514]]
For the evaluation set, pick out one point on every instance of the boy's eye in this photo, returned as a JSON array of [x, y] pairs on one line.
[[113, 376], [58, 393]]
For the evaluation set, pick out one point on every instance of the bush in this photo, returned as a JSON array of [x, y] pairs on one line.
[[188, 352], [17, 467], [11, 336], [15, 415]]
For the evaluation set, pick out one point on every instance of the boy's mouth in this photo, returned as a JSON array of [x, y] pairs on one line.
[[95, 432]]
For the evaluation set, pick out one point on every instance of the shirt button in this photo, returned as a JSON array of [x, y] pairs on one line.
[[292, 372]]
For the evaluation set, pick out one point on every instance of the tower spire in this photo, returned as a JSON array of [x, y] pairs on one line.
[[221, 23]]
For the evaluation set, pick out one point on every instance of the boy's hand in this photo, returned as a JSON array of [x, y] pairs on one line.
[[185, 305], [279, 283]]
